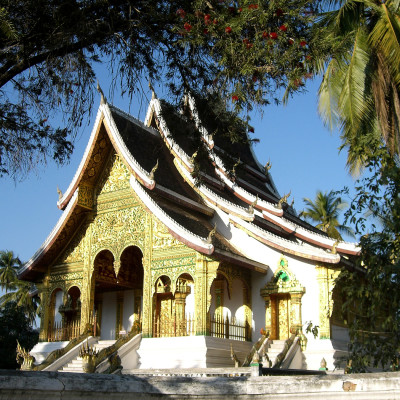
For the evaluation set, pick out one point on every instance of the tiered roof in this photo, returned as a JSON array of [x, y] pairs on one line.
[[160, 154]]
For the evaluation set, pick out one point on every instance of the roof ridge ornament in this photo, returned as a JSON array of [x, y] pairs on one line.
[[153, 92], [153, 170], [60, 193], [283, 200], [268, 166], [211, 234], [194, 155], [252, 205], [103, 99]]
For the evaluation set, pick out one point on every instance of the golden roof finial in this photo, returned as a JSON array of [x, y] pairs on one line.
[[153, 170], [153, 93], [60, 195], [252, 205], [211, 234], [283, 200], [334, 251], [234, 167], [268, 166], [103, 98], [194, 155]]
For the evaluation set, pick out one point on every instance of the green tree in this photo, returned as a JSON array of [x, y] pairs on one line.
[[9, 265], [244, 50], [14, 325], [359, 92], [324, 211], [21, 293], [371, 287]]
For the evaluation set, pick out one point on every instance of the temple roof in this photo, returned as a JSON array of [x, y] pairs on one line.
[[160, 156]]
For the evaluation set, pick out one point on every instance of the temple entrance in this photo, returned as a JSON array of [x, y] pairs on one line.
[[280, 317], [282, 296], [118, 292]]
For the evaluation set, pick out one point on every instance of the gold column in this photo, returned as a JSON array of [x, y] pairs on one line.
[[148, 303], [219, 297], [295, 312], [206, 271], [180, 313], [268, 323], [87, 295], [323, 283], [44, 312], [120, 313], [138, 293]]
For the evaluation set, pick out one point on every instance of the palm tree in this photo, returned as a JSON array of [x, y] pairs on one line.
[[359, 92], [9, 265], [20, 292], [325, 212]]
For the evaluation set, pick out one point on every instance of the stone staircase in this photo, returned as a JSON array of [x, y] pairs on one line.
[[76, 364], [275, 347]]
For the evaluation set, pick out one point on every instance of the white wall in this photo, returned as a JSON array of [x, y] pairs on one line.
[[59, 301], [108, 317], [129, 302]]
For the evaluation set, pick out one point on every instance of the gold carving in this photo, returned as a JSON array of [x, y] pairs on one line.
[[162, 238], [85, 196], [115, 176]]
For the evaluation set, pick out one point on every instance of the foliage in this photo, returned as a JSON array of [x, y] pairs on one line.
[[19, 292], [371, 288], [324, 210], [9, 265], [244, 50], [14, 325], [359, 92]]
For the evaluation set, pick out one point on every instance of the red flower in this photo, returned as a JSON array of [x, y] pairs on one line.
[[235, 98], [253, 6], [273, 35], [265, 35], [187, 27], [303, 43], [290, 41], [279, 12], [215, 21], [251, 129], [181, 12], [228, 29], [240, 9], [205, 31], [207, 19], [247, 43], [283, 28]]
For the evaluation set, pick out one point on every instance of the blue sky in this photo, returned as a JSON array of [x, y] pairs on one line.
[[303, 153]]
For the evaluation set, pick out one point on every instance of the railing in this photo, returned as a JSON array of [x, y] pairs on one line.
[[222, 327], [59, 332], [173, 326]]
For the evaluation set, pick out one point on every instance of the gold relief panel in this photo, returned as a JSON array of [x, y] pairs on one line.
[[115, 176], [116, 229], [162, 238], [85, 196], [65, 277], [75, 249], [188, 261]]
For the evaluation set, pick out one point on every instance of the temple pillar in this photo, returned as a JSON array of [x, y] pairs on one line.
[[180, 319], [295, 313], [119, 313], [268, 323], [206, 271], [138, 293], [148, 302], [324, 306], [44, 311]]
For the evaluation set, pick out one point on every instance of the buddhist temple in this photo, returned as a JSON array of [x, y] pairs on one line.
[[199, 262]]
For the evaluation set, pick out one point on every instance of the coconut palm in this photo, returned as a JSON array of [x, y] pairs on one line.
[[359, 92], [20, 292], [324, 211], [9, 265]]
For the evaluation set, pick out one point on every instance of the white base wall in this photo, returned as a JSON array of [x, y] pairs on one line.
[[190, 352]]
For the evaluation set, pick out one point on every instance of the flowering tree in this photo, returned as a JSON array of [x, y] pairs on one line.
[[245, 50]]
